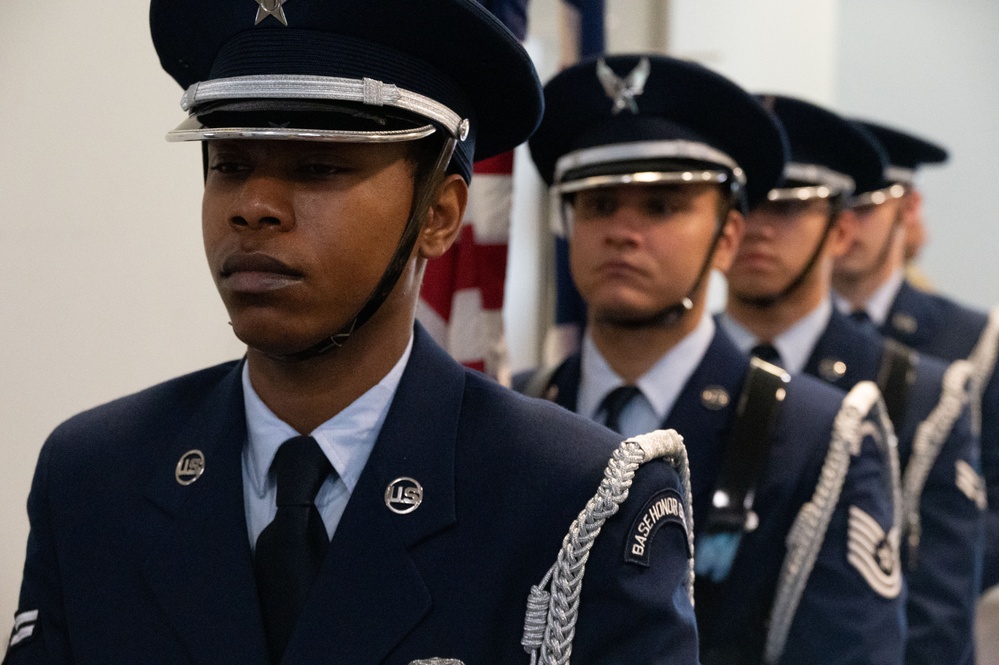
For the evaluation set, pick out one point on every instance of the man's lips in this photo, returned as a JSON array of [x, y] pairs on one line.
[[618, 269], [755, 259], [257, 273]]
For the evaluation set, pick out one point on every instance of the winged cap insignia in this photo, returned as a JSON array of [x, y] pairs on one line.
[[624, 90]]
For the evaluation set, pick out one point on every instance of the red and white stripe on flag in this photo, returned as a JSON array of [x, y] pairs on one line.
[[461, 299]]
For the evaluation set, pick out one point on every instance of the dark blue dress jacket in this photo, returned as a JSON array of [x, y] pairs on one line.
[[125, 566], [841, 619], [943, 574], [940, 327]]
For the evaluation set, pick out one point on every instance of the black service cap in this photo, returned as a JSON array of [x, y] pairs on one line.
[[349, 70], [829, 154], [626, 113]]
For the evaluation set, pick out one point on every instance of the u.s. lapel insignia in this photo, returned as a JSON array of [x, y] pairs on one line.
[[904, 323], [874, 553], [190, 467], [273, 8], [403, 495], [715, 398], [623, 91], [970, 483], [832, 369]]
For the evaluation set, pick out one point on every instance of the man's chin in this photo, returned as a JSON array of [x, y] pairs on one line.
[[629, 318]]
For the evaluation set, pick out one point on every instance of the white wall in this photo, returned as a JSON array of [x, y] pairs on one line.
[[933, 68], [103, 286]]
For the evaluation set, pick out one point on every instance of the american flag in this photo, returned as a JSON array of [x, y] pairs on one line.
[[461, 299], [583, 37]]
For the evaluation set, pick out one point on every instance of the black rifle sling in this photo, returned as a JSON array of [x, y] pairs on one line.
[[748, 446], [895, 377], [746, 453]]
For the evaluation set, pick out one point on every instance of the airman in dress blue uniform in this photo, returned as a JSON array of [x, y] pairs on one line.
[[779, 293], [651, 161], [870, 278], [346, 493]]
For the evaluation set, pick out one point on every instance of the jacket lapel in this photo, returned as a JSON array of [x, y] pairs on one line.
[[370, 593], [908, 320], [842, 355], [563, 389], [200, 567], [703, 412]]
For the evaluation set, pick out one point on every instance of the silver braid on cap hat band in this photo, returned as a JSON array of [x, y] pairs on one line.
[[926, 445], [828, 183], [642, 150], [550, 621], [852, 425], [365, 91]]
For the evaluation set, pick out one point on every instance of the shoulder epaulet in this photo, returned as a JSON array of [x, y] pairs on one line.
[[553, 605]]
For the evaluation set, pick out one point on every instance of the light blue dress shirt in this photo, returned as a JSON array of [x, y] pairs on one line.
[[660, 386], [880, 302], [347, 440], [795, 345]]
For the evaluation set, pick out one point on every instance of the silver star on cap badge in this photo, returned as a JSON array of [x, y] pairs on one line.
[[624, 91], [273, 8]]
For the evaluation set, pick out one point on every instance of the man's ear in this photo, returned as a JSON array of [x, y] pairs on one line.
[[728, 243], [844, 230], [443, 219]]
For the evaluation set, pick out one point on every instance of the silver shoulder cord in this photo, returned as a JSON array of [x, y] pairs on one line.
[[810, 526], [553, 605], [983, 362], [928, 441]]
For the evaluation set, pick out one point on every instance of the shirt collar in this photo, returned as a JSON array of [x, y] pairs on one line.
[[880, 302], [347, 438], [661, 385], [795, 345]]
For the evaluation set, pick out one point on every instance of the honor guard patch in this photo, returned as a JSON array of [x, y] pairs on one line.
[[663, 508], [24, 627], [970, 483], [874, 553]]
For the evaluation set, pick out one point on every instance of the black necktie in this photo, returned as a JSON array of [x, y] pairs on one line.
[[767, 352], [614, 404], [291, 548], [863, 319]]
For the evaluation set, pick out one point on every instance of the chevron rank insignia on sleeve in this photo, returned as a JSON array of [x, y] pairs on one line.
[[874, 553]]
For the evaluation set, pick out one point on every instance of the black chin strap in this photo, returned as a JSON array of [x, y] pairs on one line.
[[421, 201], [671, 314], [762, 302]]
